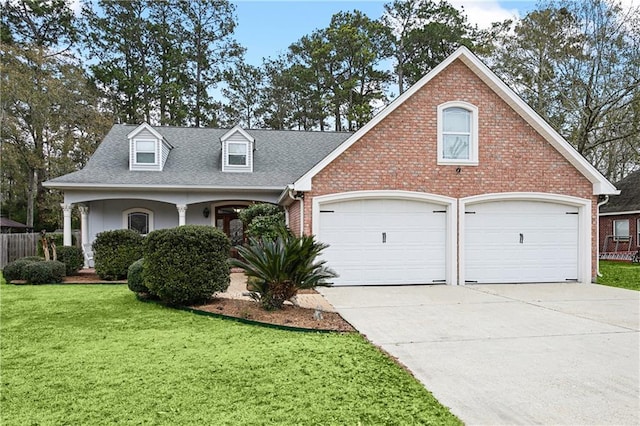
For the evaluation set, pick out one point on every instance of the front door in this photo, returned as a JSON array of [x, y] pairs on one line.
[[227, 220]]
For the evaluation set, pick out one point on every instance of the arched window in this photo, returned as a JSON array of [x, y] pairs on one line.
[[138, 219], [457, 133]]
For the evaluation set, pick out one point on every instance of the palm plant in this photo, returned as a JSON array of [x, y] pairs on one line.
[[278, 267]]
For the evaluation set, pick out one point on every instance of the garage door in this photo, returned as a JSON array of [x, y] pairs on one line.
[[520, 242], [384, 241]]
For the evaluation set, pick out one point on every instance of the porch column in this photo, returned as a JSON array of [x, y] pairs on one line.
[[66, 224], [84, 229], [182, 214]]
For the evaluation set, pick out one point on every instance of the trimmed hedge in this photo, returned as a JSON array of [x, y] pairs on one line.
[[15, 270], [135, 277], [47, 272], [187, 264], [72, 257], [115, 251]]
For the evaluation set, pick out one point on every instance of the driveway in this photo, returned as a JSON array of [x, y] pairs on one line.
[[510, 354]]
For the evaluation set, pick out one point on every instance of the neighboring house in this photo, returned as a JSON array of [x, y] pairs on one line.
[[456, 181], [620, 221]]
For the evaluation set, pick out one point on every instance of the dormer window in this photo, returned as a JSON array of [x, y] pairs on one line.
[[237, 154], [457, 133], [145, 151], [237, 151], [148, 149]]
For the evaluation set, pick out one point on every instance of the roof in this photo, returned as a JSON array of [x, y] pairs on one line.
[[629, 198], [9, 223], [600, 184], [281, 157]]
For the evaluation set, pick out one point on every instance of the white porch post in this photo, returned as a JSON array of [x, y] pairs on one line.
[[182, 214], [84, 229], [66, 225]]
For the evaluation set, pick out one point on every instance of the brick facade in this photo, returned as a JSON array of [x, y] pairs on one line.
[[399, 153], [606, 228]]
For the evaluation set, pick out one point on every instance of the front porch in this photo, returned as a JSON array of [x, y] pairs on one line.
[[145, 213]]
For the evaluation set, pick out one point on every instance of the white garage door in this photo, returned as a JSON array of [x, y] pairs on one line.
[[520, 242], [384, 241]]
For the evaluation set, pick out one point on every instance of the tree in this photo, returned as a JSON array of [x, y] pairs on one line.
[[156, 61], [210, 49], [244, 88], [51, 115], [338, 69], [578, 64], [422, 34], [117, 36]]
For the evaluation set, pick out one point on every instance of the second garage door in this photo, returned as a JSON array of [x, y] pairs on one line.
[[520, 242], [384, 241]]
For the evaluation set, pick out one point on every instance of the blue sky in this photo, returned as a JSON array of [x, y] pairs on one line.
[[267, 27]]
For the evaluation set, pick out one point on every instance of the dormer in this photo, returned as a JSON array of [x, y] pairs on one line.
[[237, 151], [148, 149]]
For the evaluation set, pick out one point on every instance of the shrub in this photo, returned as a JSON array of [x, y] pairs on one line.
[[278, 268], [115, 251], [186, 265], [15, 270], [135, 277], [47, 272], [72, 257], [262, 220]]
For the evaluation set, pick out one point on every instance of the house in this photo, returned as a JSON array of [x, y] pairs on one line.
[[620, 221], [456, 181]]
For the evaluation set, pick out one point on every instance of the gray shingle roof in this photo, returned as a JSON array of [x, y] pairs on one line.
[[280, 158], [629, 198]]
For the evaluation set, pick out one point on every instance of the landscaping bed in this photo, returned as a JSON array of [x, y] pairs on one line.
[[288, 316]]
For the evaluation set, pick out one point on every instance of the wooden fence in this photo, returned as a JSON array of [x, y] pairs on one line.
[[15, 246]]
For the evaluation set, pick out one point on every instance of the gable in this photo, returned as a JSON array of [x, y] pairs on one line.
[[400, 152], [466, 85]]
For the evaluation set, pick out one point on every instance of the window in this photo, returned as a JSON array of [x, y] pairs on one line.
[[237, 155], [457, 133], [621, 230], [145, 152], [138, 219]]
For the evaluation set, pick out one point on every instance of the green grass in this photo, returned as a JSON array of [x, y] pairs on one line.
[[620, 274], [95, 355]]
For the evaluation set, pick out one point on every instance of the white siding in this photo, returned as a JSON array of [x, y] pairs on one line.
[[237, 137]]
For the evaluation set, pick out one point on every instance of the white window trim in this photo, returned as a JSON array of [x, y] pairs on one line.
[[473, 140], [244, 166], [125, 217], [621, 237], [155, 152], [246, 154]]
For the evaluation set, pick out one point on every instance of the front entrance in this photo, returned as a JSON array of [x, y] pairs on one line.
[[227, 220]]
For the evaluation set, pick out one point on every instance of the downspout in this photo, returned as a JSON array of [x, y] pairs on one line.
[[300, 198], [600, 204], [296, 196]]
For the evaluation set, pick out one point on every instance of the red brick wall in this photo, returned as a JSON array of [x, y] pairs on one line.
[[399, 153], [294, 217], [606, 228]]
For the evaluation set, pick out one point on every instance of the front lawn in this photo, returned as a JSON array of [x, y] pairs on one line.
[[95, 355], [620, 274]]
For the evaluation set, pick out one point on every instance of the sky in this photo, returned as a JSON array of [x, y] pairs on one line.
[[267, 28]]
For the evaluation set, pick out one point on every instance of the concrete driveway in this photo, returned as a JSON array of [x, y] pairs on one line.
[[511, 354]]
